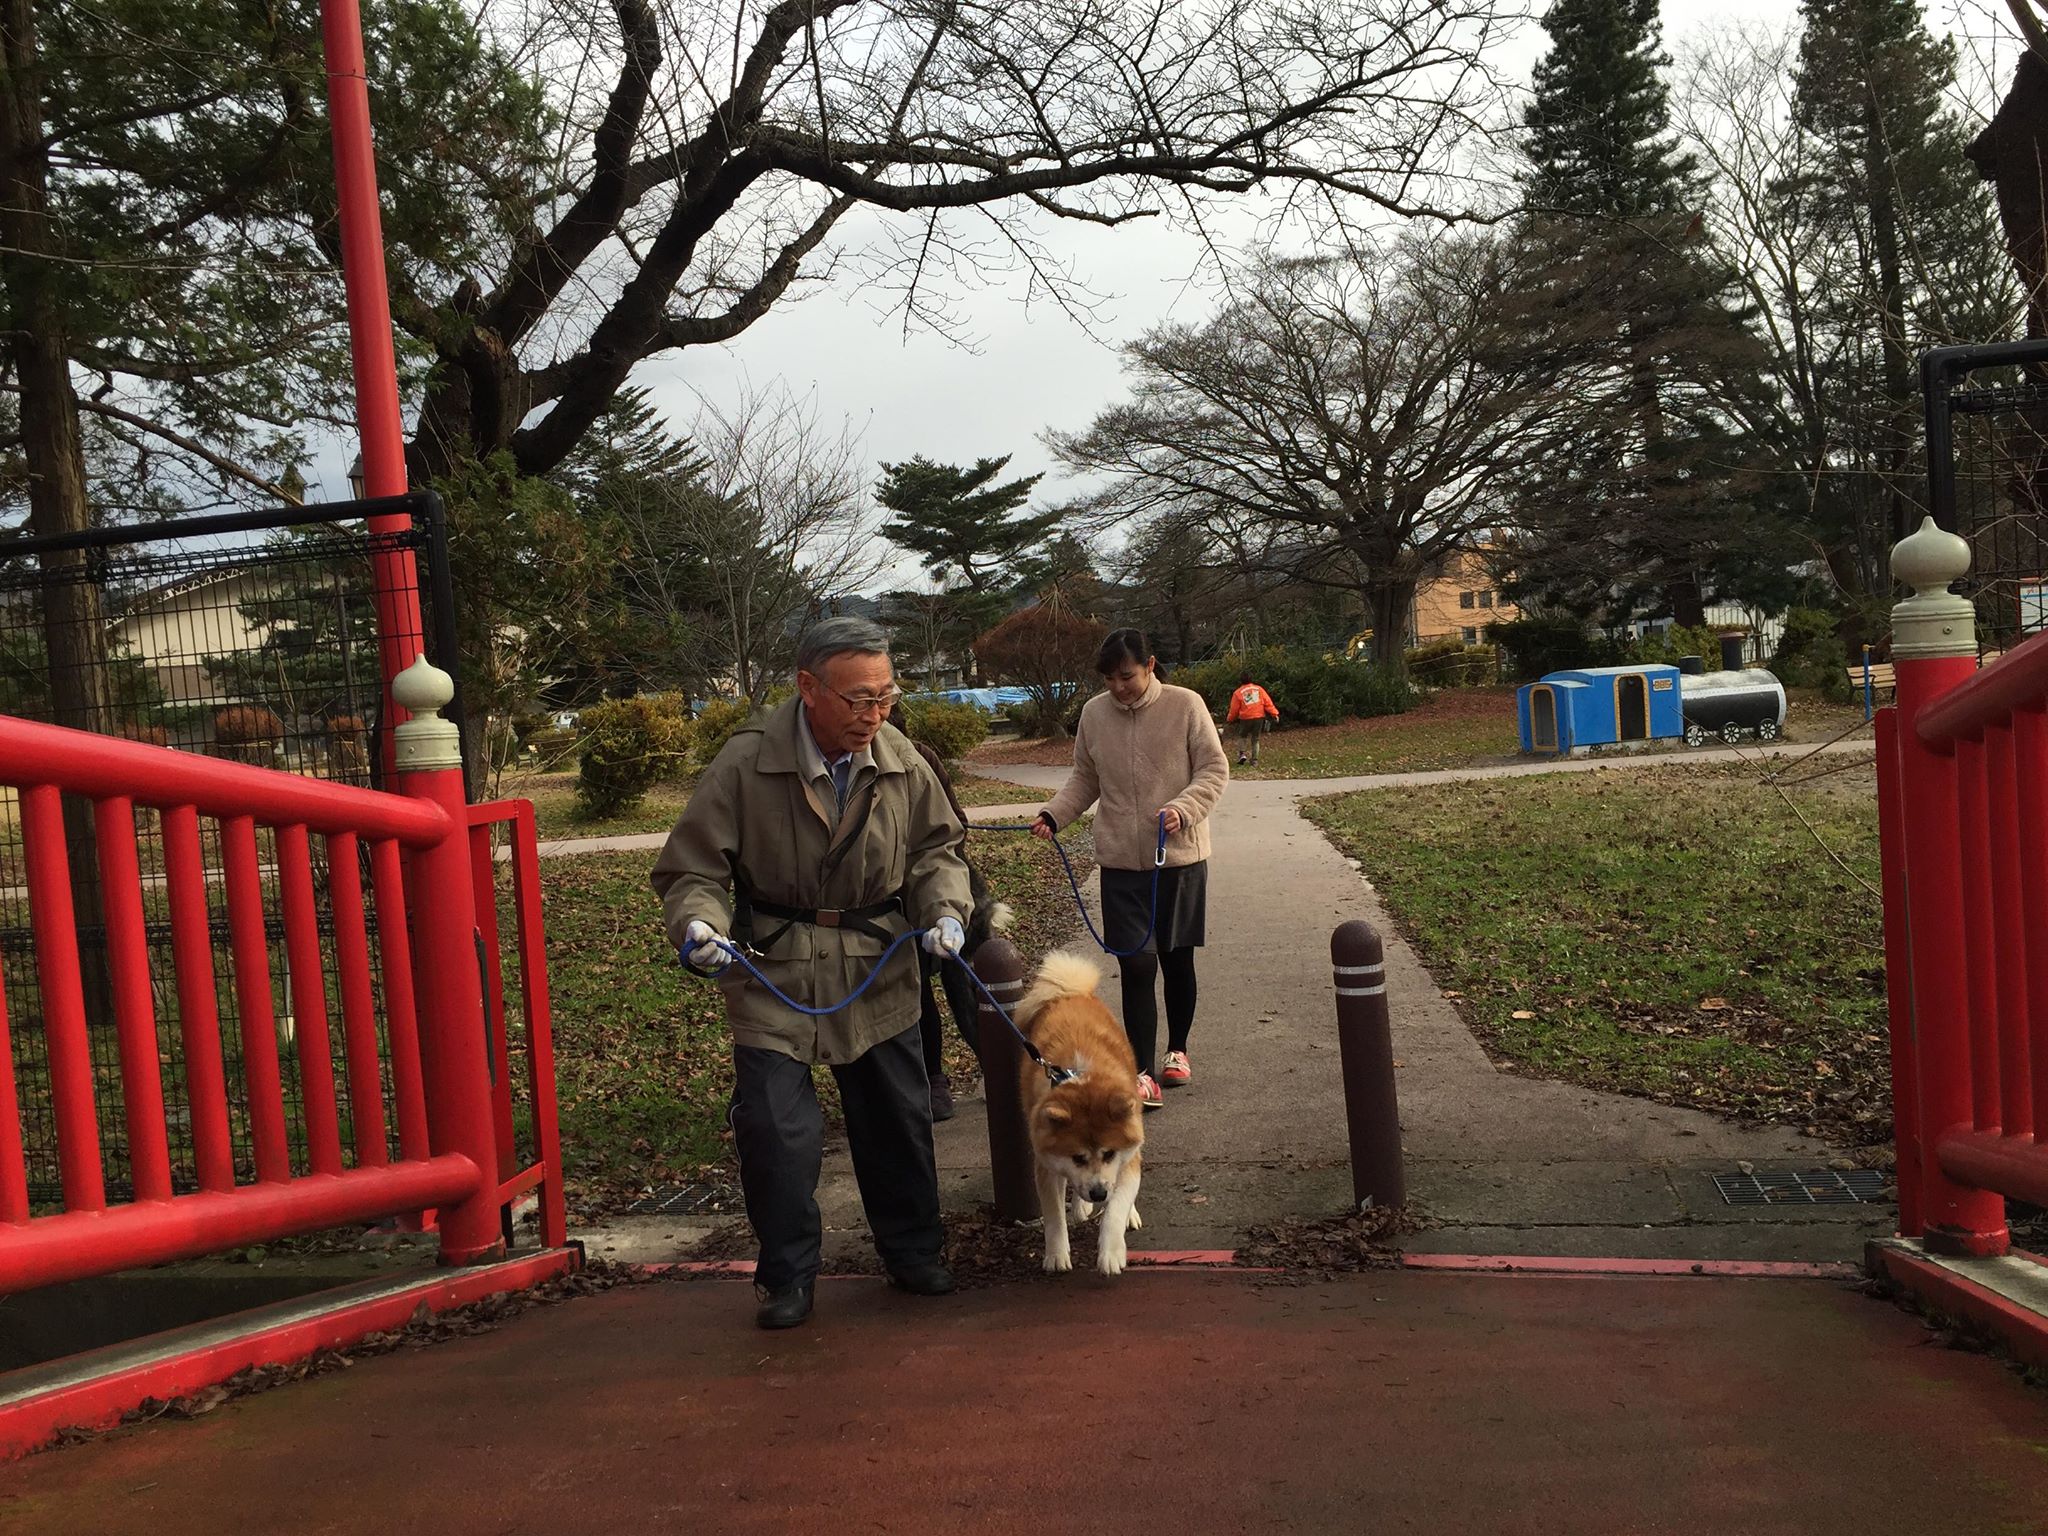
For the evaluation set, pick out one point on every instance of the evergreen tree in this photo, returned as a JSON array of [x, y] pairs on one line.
[[1599, 129], [1655, 495], [1893, 179], [961, 521]]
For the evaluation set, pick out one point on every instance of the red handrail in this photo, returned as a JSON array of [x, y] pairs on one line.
[[101, 767], [2017, 680]]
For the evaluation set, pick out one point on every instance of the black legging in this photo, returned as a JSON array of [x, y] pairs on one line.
[[1141, 1011]]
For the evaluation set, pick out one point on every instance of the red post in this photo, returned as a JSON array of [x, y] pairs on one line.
[[358, 1003], [309, 1000], [449, 989], [401, 1008], [142, 1084], [206, 1091], [2009, 933], [255, 1013], [1934, 650], [1980, 954], [13, 1161], [1898, 976], [2030, 761], [64, 1031], [378, 419], [540, 1032]]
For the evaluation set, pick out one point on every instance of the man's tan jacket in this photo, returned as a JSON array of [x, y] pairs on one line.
[[756, 829]]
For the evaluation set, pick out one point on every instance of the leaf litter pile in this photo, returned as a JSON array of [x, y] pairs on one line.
[[1350, 1242]]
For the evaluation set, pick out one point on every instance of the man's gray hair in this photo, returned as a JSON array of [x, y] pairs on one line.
[[836, 637]]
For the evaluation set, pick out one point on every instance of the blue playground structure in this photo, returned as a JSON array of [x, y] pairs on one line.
[[1567, 712]]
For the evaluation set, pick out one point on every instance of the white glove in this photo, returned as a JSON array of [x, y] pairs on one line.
[[701, 946], [945, 937]]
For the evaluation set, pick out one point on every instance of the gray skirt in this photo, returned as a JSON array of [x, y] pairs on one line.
[[1183, 906]]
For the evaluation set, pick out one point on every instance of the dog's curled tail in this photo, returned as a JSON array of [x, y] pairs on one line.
[[1001, 916], [1060, 975]]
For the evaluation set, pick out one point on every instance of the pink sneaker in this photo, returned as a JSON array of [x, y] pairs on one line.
[[1148, 1091], [1176, 1073]]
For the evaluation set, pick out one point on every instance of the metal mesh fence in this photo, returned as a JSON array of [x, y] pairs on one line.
[[1987, 411], [251, 638]]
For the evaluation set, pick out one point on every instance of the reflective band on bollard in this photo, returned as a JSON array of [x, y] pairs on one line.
[[1001, 970], [1366, 1042]]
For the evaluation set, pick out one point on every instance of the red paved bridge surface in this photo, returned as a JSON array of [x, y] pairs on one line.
[[1164, 1402]]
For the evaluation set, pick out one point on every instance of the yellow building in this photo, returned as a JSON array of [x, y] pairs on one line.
[[1458, 602]]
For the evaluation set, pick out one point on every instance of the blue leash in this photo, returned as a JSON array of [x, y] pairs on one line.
[[738, 956], [1073, 882], [1057, 1075]]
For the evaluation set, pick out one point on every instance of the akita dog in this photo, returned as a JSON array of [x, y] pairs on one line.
[[1087, 1131]]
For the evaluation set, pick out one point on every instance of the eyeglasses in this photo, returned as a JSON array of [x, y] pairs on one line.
[[866, 703]]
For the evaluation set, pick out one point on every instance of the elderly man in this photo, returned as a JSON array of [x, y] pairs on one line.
[[816, 837]]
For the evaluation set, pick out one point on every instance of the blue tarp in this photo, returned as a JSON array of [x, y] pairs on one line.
[[988, 700]]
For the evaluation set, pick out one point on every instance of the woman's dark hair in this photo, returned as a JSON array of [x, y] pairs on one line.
[[1122, 645]]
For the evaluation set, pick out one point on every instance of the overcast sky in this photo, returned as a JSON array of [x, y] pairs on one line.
[[1032, 366]]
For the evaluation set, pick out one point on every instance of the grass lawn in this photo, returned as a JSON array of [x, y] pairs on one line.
[[1454, 728], [642, 1056], [1672, 933]]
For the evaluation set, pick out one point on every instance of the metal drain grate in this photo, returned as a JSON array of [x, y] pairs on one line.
[[684, 1200], [1813, 1186]]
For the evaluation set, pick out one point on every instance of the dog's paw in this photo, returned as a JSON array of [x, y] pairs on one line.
[[1058, 1260], [1136, 1221], [1111, 1258]]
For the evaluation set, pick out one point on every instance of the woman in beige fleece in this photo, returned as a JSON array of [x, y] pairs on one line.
[[1146, 749]]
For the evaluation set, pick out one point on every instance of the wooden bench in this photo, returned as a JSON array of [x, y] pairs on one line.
[[1880, 676]]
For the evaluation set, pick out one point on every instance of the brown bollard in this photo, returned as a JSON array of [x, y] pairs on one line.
[[1366, 1042], [1003, 1062]]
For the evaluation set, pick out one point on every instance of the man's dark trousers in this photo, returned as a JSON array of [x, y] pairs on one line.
[[780, 1137]]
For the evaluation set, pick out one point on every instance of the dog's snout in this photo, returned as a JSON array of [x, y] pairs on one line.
[[1098, 1192]]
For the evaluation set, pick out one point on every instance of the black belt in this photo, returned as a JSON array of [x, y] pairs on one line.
[[859, 919]]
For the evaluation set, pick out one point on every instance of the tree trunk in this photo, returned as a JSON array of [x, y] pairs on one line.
[[74, 623], [1879, 189], [1387, 603]]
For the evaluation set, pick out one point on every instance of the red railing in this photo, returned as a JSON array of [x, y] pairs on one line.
[[302, 1173], [1963, 811], [538, 1169]]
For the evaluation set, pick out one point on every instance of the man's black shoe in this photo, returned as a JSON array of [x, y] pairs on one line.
[[928, 1279], [787, 1308]]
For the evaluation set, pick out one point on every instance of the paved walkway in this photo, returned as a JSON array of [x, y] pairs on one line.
[[1505, 1163], [1456, 1405]]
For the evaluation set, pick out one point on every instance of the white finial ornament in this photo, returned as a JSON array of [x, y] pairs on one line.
[[1933, 622], [426, 740]]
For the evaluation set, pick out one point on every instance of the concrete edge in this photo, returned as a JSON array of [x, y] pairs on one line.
[[95, 1389], [1940, 1285], [1459, 1263]]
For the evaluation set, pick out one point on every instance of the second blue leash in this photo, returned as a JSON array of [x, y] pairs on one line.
[[1073, 881]]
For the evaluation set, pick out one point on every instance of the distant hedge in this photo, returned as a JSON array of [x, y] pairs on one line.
[[1310, 689]]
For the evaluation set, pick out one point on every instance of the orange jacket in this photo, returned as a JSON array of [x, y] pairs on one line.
[[1248, 701]]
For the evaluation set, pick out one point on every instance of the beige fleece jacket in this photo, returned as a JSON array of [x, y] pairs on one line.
[[1137, 760]]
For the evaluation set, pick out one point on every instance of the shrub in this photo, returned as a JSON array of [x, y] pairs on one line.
[[1450, 663], [715, 724], [1308, 688], [628, 746], [241, 725], [1540, 644], [1811, 655], [1677, 642], [951, 730], [553, 745]]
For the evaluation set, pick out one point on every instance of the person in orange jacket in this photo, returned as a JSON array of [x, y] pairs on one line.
[[1250, 708]]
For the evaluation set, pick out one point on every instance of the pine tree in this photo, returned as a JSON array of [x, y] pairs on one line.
[[1870, 91], [960, 520], [1656, 495], [1599, 130]]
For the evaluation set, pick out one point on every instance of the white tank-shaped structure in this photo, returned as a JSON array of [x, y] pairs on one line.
[[1732, 704]]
